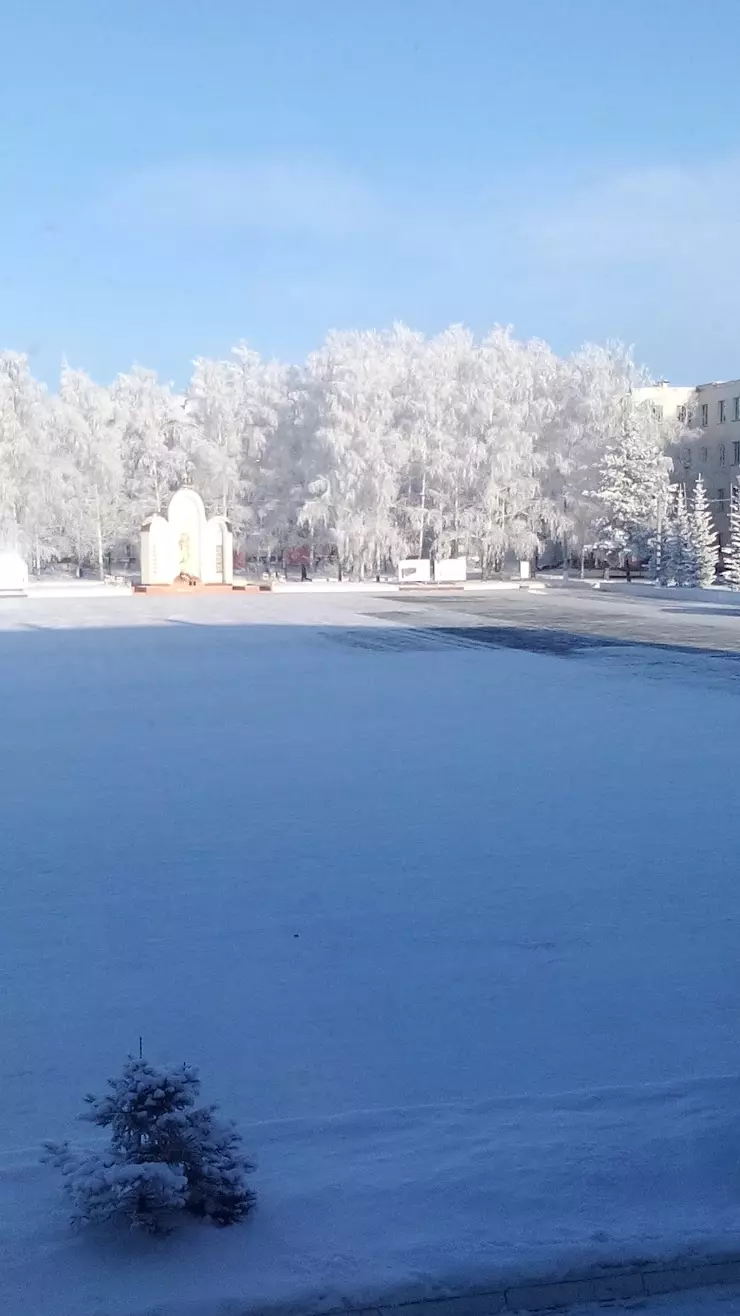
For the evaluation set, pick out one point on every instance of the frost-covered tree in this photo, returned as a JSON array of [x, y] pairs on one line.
[[263, 403], [233, 407], [351, 498], [510, 411], [634, 484], [587, 392], [28, 462], [704, 547], [152, 423], [96, 513], [216, 435], [165, 1155], [429, 398], [680, 560], [658, 559], [382, 444], [732, 551]]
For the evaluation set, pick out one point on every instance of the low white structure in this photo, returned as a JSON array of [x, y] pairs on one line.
[[186, 544], [217, 562], [414, 571], [158, 552], [450, 570], [13, 575]]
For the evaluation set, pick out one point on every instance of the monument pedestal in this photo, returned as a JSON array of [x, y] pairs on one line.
[[197, 587]]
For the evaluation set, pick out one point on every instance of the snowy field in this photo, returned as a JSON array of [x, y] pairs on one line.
[[450, 929]]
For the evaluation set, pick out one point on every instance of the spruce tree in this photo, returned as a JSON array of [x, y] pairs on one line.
[[732, 552], [634, 485], [704, 548], [680, 566], [658, 559], [166, 1154]]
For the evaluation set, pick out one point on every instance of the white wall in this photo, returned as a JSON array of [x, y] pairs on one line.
[[713, 453], [710, 451]]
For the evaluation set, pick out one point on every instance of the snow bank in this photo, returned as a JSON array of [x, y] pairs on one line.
[[72, 589], [713, 596], [410, 1203]]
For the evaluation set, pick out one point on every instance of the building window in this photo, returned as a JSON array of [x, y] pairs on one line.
[[721, 451], [682, 414], [705, 413], [657, 411], [705, 454], [721, 411], [721, 499], [736, 453], [736, 408], [687, 459]]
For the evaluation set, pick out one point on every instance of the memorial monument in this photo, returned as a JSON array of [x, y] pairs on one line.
[[186, 550]]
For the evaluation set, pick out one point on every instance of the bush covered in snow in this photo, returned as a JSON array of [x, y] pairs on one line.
[[165, 1155]]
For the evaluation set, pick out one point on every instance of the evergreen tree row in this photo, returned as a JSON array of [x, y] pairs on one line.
[[687, 550]]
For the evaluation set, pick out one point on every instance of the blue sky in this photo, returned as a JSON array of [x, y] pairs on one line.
[[180, 175]]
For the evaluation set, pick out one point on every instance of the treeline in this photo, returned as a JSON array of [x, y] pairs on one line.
[[380, 445]]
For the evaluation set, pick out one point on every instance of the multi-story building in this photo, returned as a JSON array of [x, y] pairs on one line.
[[710, 446]]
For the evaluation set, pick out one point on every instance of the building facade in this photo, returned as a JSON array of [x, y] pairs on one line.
[[710, 445]]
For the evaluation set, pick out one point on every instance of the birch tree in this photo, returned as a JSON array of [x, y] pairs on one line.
[[352, 493], [152, 423], [24, 453], [509, 408], [95, 496], [233, 407]]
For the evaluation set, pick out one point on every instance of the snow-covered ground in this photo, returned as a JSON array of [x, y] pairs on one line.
[[705, 1302], [395, 896]]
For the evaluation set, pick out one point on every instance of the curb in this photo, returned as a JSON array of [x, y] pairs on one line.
[[548, 1295], [402, 587]]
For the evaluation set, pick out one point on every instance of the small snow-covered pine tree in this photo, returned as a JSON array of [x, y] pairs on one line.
[[680, 565], [704, 547], [166, 1154], [732, 551]]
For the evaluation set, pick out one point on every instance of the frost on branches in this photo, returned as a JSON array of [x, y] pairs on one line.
[[689, 549], [380, 445], [732, 552], [680, 558], [165, 1155], [634, 485], [705, 549]]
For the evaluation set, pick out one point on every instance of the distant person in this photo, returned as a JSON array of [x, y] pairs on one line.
[[628, 571], [304, 573]]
